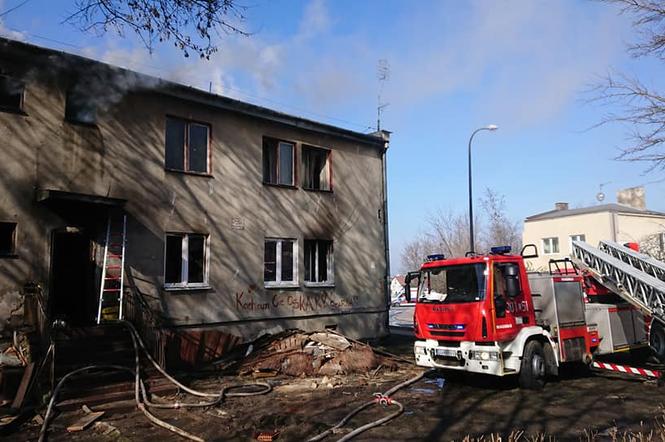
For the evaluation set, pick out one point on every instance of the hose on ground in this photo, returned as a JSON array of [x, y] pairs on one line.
[[383, 399], [141, 395]]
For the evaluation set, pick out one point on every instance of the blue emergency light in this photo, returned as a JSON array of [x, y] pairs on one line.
[[436, 257], [500, 250]]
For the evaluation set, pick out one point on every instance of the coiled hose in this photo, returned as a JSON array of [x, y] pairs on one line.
[[383, 399], [140, 393]]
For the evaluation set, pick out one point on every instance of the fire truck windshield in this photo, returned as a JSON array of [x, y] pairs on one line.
[[453, 284]]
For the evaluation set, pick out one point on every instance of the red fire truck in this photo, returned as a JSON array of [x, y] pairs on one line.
[[487, 314]]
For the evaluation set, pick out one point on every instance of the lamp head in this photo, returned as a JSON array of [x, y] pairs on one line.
[[492, 127]]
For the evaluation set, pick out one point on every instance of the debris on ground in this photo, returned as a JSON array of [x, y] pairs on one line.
[[321, 353]]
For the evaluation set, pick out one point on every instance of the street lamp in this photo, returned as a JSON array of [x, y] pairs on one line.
[[491, 127]]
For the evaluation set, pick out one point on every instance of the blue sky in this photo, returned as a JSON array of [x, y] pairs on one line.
[[525, 65]]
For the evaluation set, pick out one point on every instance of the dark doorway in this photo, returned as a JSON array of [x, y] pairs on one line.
[[72, 278]]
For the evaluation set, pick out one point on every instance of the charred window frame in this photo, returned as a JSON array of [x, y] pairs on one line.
[[7, 240], [80, 109], [280, 262], [279, 166], [316, 169], [186, 260], [319, 263], [12, 92], [187, 146]]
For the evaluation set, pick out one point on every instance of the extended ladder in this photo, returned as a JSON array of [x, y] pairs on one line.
[[637, 278], [113, 270]]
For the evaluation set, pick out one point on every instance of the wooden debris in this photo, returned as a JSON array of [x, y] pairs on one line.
[[19, 399], [85, 421]]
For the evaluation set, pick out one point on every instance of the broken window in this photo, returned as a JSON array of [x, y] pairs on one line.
[[7, 239], [80, 108], [11, 94], [316, 168], [187, 146], [278, 162], [280, 263], [319, 262], [186, 260]]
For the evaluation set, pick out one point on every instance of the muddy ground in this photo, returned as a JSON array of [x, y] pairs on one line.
[[440, 407]]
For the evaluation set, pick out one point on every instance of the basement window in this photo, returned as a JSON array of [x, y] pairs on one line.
[[186, 260], [7, 239], [187, 146], [11, 94], [79, 108], [278, 162], [316, 172], [280, 262], [319, 262], [550, 245]]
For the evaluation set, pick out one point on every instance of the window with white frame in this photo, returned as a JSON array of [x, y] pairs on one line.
[[186, 260], [319, 262], [578, 237], [551, 245], [278, 162], [280, 262]]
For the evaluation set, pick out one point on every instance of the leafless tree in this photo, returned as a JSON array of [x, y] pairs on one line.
[[640, 106], [499, 229], [191, 25], [415, 251]]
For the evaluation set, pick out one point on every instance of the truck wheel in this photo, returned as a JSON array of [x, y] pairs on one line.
[[533, 369], [657, 340]]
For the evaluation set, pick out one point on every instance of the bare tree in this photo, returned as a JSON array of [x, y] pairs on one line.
[[640, 106], [449, 233], [191, 25], [499, 229], [414, 253]]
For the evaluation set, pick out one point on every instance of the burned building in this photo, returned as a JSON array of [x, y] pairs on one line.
[[187, 212]]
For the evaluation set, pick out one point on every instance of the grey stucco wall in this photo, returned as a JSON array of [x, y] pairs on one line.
[[123, 157]]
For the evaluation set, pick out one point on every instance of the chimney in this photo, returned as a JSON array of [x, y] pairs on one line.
[[633, 196], [560, 206]]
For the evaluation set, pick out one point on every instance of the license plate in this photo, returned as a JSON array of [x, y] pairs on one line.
[[445, 352]]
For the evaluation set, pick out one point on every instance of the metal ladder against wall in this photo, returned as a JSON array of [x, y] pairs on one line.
[[111, 287], [635, 277]]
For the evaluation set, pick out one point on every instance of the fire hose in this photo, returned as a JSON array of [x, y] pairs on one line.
[[382, 399], [140, 393]]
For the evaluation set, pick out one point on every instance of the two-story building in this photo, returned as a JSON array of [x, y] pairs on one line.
[[239, 219], [554, 231]]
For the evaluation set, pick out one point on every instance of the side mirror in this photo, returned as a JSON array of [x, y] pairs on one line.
[[532, 248], [407, 284]]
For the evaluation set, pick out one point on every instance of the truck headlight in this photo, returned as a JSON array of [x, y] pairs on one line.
[[484, 355], [420, 350]]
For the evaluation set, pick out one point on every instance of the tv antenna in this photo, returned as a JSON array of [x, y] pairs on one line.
[[383, 75], [600, 196]]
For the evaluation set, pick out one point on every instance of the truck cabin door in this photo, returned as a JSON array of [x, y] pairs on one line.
[[510, 306]]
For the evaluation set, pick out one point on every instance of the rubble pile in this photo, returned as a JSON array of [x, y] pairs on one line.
[[297, 353]]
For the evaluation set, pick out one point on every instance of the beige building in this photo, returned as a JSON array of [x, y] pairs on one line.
[[553, 232], [240, 219]]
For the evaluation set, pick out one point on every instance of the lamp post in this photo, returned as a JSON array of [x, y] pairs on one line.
[[491, 127]]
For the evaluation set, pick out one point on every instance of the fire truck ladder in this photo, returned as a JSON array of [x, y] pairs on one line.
[[635, 277], [113, 270]]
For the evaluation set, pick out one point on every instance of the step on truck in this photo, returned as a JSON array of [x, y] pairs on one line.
[[486, 314]]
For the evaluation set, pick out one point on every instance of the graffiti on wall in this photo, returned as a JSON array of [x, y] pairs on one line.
[[300, 303]]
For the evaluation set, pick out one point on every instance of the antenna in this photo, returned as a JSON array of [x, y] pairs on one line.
[[383, 75], [600, 196]]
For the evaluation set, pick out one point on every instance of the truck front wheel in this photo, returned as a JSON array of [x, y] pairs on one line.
[[657, 340], [533, 369]]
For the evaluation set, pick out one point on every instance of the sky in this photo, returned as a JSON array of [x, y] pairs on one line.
[[528, 66]]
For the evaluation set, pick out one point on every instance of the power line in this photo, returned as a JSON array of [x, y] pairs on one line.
[[2, 14]]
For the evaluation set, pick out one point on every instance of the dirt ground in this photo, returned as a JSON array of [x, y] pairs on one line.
[[442, 406]]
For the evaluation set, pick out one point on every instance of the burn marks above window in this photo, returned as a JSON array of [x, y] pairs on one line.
[[7, 240], [11, 94], [187, 146]]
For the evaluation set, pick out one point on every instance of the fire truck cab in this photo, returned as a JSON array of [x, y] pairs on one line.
[[486, 314]]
